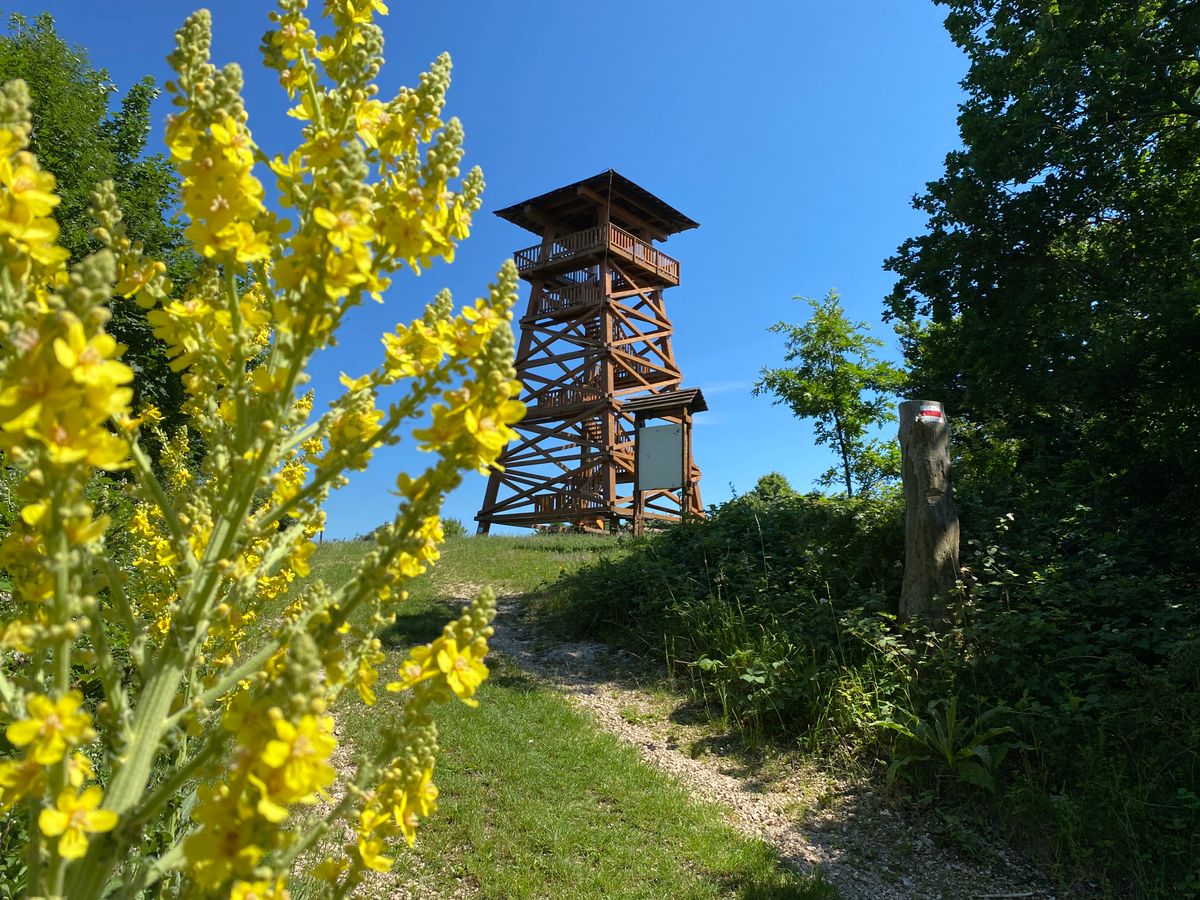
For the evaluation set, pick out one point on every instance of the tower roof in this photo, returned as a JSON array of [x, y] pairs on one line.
[[667, 403], [573, 207]]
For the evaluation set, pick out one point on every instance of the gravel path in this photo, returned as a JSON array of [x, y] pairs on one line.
[[812, 819]]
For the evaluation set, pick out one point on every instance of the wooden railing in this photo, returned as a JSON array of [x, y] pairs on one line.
[[643, 253], [554, 503], [565, 502], [630, 367], [560, 248], [567, 396], [592, 239], [555, 300]]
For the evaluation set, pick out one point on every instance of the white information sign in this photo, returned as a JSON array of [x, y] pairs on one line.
[[660, 457]]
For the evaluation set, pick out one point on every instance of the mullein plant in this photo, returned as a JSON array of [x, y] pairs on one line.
[[201, 759]]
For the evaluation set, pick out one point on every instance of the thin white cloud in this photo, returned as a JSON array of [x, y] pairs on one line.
[[726, 387]]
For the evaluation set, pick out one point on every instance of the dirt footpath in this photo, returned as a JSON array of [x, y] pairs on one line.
[[812, 819]]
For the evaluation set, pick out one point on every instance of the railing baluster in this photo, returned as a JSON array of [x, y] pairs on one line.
[[589, 239]]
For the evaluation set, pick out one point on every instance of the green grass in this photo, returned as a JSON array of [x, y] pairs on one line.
[[536, 801]]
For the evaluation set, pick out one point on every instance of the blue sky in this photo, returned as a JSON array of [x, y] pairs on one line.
[[794, 132]]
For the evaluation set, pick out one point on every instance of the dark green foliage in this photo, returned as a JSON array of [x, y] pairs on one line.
[[1053, 299], [82, 142], [1053, 303], [1063, 701]]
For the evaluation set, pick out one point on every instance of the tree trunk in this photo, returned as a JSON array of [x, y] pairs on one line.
[[930, 519], [844, 450]]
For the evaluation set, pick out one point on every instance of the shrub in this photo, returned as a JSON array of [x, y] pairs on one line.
[[1065, 693], [454, 528], [170, 718]]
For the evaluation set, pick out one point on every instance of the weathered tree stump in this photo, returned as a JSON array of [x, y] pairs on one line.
[[930, 519]]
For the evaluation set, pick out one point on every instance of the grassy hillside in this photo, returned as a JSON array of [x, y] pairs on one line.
[[536, 802]]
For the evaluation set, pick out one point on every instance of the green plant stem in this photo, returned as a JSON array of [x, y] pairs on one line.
[[61, 560], [239, 359], [8, 694], [147, 876], [120, 602], [90, 875], [110, 679], [33, 877], [169, 787]]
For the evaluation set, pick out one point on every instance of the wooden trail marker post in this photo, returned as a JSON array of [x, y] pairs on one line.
[[930, 519]]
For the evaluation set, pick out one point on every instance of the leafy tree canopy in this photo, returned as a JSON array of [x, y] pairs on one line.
[[82, 142], [773, 486], [837, 381], [1053, 298]]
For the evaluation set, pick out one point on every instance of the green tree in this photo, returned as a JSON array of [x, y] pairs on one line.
[[1052, 299], [773, 486], [82, 142], [837, 381]]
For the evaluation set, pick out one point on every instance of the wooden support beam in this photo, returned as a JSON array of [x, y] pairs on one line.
[[619, 207]]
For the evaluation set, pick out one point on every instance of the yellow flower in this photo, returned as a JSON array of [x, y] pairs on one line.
[[73, 818], [79, 770], [151, 415], [370, 850], [345, 227], [365, 677], [223, 846], [91, 363], [370, 847], [464, 672], [51, 727], [406, 817], [29, 188], [427, 793], [331, 869], [300, 753], [18, 779], [419, 666], [258, 890]]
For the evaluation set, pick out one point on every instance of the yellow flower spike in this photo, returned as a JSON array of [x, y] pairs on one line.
[[52, 727], [376, 185], [73, 818]]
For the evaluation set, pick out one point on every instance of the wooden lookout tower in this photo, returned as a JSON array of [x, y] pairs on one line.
[[595, 337]]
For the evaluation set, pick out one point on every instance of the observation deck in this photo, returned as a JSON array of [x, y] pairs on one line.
[[583, 248]]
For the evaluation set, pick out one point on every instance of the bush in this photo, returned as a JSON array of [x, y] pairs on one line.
[[454, 528], [1065, 693], [167, 692]]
